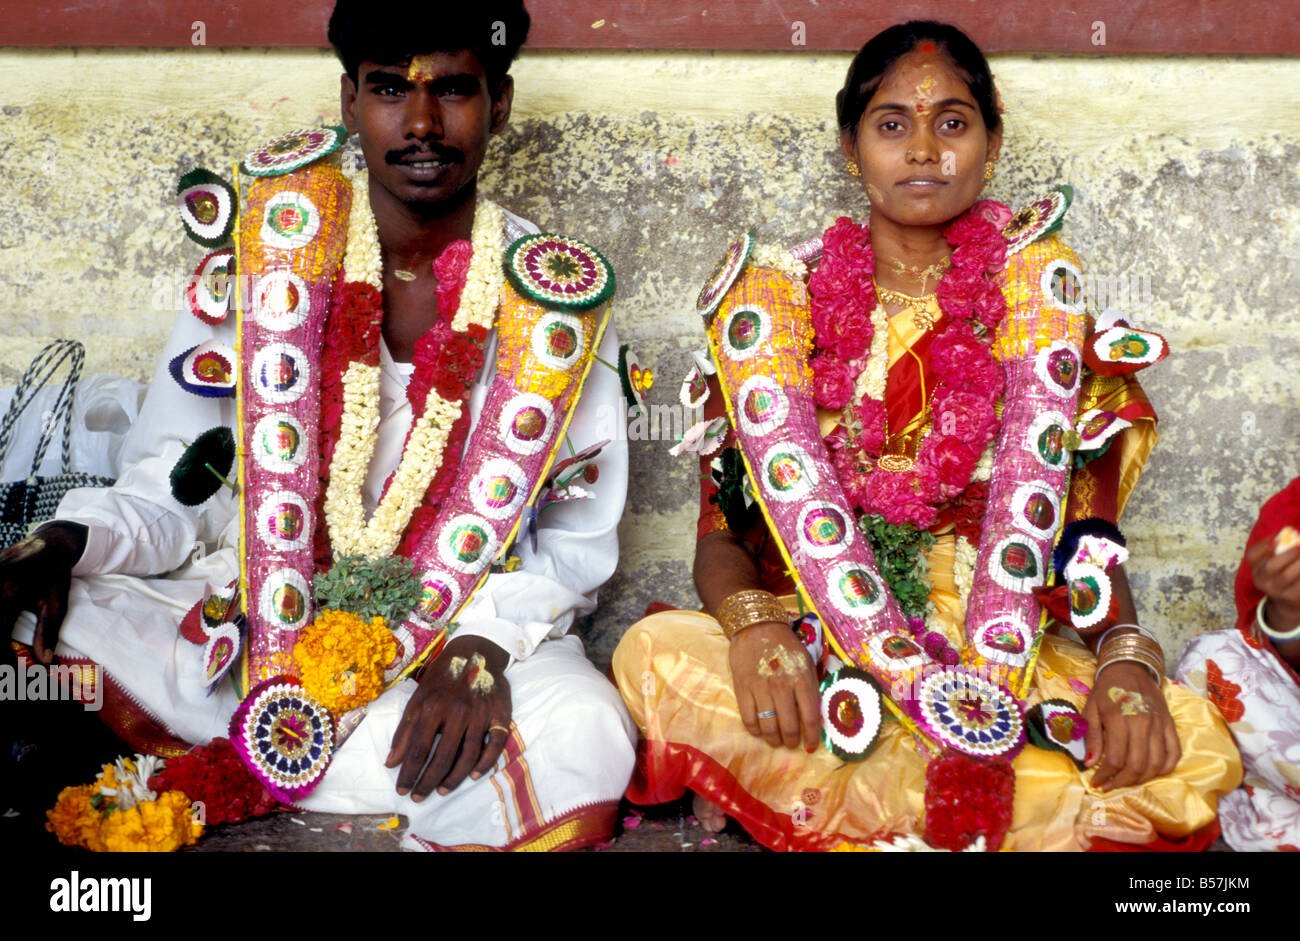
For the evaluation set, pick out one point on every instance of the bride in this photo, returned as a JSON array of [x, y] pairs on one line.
[[930, 446]]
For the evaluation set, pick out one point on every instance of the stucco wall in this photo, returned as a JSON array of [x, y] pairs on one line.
[[1187, 173]]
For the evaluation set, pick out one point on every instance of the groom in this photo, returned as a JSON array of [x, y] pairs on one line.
[[509, 738]]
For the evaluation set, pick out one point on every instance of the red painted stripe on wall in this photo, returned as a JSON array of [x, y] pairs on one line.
[[1126, 26]]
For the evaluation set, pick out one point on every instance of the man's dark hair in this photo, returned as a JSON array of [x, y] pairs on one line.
[[388, 32]]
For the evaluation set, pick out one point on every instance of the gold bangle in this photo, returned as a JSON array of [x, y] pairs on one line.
[[743, 609], [1137, 648]]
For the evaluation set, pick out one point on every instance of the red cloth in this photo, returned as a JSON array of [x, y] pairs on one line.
[[1283, 509]]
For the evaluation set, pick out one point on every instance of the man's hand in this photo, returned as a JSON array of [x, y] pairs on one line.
[[460, 714], [772, 672], [1278, 577], [1131, 736], [35, 575]]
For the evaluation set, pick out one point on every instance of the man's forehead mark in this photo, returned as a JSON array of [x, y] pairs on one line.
[[421, 69]]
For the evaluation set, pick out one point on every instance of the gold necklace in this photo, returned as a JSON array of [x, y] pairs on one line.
[[925, 275], [924, 310]]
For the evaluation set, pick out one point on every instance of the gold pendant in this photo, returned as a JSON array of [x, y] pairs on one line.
[[896, 463]]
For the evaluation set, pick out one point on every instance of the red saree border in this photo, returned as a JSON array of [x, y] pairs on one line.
[[124, 715], [694, 770], [697, 771]]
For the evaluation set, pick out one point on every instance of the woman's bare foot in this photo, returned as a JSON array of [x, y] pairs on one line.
[[709, 814]]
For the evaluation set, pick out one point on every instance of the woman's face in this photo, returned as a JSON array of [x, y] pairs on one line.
[[921, 143]]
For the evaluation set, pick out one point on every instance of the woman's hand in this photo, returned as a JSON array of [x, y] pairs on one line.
[[772, 672], [1131, 736], [1278, 577], [460, 713]]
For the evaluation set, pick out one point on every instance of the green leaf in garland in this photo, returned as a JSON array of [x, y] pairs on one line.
[[900, 558], [369, 588], [204, 467]]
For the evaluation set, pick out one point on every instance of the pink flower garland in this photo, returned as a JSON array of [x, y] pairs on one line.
[[968, 378]]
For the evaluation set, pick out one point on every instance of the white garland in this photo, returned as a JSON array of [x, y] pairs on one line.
[[350, 533], [872, 380], [779, 260]]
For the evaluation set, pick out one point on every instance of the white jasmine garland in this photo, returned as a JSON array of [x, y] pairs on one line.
[[487, 274], [871, 381], [963, 570], [363, 259], [358, 433], [420, 462], [779, 260]]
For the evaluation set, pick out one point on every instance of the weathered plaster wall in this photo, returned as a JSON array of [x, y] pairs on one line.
[[1187, 172]]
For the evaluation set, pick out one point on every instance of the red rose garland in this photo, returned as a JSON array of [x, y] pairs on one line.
[[215, 775], [968, 378]]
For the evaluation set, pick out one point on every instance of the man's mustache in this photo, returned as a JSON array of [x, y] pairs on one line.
[[436, 151]]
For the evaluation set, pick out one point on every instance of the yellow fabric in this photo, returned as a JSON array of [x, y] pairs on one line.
[[691, 702]]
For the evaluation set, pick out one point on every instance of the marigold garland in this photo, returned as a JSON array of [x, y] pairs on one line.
[[343, 658], [120, 814]]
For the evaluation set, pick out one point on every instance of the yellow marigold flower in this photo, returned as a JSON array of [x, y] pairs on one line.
[[343, 658], [160, 826], [73, 819]]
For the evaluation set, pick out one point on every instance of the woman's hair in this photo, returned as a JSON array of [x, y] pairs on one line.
[[387, 32], [877, 57]]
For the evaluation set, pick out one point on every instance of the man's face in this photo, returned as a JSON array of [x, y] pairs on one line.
[[424, 125]]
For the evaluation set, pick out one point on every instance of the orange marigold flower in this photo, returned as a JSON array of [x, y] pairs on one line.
[[343, 658]]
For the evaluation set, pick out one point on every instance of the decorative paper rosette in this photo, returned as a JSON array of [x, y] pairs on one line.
[[1096, 429], [284, 736], [290, 151], [695, 389], [559, 272], [1123, 349], [851, 714], [207, 207], [702, 438], [207, 369], [809, 631], [1056, 725], [204, 467], [724, 275], [635, 379], [220, 653], [1041, 217], [212, 287], [964, 711]]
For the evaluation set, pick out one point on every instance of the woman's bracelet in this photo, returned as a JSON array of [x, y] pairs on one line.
[[743, 609], [1275, 636], [1138, 648]]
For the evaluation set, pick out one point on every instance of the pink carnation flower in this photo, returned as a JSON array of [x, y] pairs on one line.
[[871, 412], [832, 381]]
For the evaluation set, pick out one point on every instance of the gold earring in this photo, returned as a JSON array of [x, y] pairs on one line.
[[988, 171], [852, 167]]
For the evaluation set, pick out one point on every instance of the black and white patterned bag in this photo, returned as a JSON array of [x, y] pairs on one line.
[[27, 503]]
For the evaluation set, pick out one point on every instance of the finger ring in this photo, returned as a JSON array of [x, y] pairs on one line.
[[498, 728], [767, 714]]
